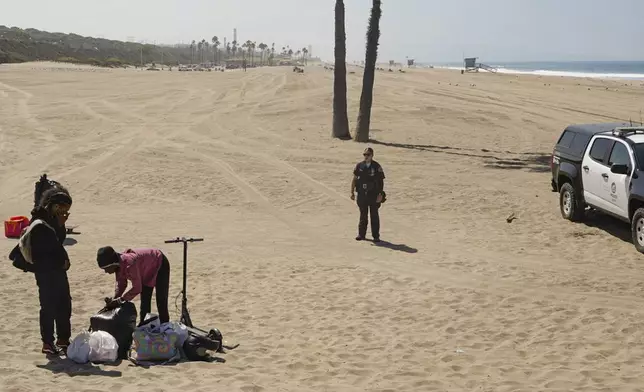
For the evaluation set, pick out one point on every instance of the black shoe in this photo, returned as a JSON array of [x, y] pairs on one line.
[[50, 349], [376, 240], [63, 345], [359, 238]]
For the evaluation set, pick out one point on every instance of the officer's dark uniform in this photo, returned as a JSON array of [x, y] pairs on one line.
[[369, 184]]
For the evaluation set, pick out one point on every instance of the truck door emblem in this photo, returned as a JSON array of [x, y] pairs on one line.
[[613, 188]]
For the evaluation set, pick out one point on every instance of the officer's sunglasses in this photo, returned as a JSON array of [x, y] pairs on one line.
[[366, 155]]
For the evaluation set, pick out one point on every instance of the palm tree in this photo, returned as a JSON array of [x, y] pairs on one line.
[[248, 45], [305, 52], [199, 45], [272, 53], [215, 45], [205, 46], [234, 48], [262, 46], [228, 50], [290, 52], [368, 78], [192, 51], [340, 118]]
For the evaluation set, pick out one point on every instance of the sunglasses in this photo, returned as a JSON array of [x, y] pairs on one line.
[[367, 155]]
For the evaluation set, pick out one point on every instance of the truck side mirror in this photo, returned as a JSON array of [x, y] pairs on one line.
[[619, 168]]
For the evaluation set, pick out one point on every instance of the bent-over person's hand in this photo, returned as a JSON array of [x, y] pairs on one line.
[[113, 303], [379, 198]]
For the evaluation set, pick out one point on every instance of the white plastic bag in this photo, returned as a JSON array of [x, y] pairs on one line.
[[78, 350], [102, 347]]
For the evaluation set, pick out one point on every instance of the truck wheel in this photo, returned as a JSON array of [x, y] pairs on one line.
[[570, 208], [637, 230]]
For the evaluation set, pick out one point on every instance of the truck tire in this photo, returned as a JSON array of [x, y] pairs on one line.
[[570, 208], [637, 229]]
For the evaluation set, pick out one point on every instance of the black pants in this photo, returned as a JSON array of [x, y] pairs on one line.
[[55, 305], [162, 288], [368, 206]]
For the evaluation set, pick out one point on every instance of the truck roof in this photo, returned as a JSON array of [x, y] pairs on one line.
[[639, 138], [575, 138], [593, 129], [632, 134]]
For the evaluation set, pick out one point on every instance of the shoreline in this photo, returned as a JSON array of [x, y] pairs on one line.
[[555, 73]]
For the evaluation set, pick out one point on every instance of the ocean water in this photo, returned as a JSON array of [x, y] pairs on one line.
[[582, 69]]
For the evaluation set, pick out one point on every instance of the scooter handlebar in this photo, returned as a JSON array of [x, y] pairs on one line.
[[183, 239]]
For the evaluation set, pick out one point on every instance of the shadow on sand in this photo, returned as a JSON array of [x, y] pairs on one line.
[[533, 162], [396, 247], [210, 359], [59, 365], [610, 225], [70, 242]]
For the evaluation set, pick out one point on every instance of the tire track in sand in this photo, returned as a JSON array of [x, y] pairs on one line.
[[25, 113]]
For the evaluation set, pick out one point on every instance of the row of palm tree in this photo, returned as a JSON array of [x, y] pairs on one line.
[[201, 51], [340, 118]]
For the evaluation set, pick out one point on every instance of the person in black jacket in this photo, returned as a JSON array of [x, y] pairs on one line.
[[368, 181], [50, 265]]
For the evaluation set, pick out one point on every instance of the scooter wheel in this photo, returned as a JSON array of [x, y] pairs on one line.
[[214, 334]]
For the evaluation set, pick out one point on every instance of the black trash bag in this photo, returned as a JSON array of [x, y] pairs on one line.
[[120, 323], [196, 347]]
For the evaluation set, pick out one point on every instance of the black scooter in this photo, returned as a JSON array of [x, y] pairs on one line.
[[213, 338]]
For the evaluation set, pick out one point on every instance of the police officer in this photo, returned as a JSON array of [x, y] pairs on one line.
[[368, 181]]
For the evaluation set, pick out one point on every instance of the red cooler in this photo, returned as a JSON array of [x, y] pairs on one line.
[[15, 225]]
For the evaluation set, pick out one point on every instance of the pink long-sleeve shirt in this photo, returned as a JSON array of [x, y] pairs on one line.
[[139, 266]]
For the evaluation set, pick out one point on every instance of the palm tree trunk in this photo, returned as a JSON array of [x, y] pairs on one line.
[[368, 79], [340, 118]]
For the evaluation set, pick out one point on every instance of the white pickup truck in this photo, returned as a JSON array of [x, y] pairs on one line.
[[599, 166]]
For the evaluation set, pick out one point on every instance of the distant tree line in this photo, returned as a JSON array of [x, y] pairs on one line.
[[21, 45]]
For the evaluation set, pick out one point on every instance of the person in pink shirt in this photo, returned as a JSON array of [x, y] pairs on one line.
[[147, 269]]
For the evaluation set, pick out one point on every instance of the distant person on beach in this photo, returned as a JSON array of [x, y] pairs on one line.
[[147, 269], [368, 181]]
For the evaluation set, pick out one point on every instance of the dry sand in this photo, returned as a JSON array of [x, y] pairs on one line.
[[457, 300]]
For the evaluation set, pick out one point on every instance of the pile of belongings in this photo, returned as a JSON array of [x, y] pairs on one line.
[[113, 335], [156, 343]]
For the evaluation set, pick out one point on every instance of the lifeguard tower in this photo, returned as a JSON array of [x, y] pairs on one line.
[[470, 65]]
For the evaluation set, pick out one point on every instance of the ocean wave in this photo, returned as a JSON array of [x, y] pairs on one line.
[[571, 74]]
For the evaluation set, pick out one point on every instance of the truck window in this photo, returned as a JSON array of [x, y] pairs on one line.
[[566, 139], [599, 148], [638, 149], [619, 155], [579, 144]]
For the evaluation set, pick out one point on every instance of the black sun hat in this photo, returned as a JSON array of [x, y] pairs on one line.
[[107, 257]]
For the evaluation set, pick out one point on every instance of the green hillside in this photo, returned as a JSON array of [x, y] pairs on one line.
[[20, 45]]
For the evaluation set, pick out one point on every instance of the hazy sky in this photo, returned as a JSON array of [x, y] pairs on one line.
[[428, 30]]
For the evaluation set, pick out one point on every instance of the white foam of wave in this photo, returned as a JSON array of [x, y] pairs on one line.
[[571, 74]]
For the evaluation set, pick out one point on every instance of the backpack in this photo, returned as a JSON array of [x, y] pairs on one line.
[[21, 254], [25, 239], [41, 186]]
